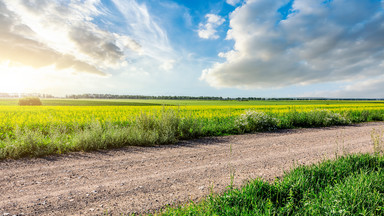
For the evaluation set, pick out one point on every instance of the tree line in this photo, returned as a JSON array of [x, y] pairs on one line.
[[169, 97], [112, 96]]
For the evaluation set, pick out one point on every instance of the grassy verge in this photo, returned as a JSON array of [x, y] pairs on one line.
[[164, 128], [349, 185]]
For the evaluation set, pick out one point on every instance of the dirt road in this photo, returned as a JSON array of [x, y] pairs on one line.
[[137, 179]]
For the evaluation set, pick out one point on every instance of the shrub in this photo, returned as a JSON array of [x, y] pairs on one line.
[[256, 121], [314, 118], [30, 101], [325, 118]]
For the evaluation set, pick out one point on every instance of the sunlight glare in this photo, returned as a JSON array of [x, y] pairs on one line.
[[20, 79]]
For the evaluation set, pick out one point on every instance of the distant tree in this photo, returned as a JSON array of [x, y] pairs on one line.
[[30, 101]]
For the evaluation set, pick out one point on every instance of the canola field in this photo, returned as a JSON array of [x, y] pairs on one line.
[[41, 130]]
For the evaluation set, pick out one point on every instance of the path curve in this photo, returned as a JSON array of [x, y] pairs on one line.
[[140, 179]]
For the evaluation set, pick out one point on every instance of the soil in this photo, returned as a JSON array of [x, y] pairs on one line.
[[145, 179]]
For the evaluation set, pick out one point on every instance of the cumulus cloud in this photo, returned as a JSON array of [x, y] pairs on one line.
[[208, 30], [41, 33], [318, 41]]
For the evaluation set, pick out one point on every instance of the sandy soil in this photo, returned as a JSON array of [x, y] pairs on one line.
[[138, 179]]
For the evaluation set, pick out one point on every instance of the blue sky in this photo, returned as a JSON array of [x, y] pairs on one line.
[[229, 48]]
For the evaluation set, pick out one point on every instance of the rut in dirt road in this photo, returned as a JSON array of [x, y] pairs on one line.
[[140, 179]]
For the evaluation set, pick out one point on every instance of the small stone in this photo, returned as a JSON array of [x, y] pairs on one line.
[[91, 209], [71, 200]]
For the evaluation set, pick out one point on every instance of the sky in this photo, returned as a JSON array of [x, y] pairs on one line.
[[228, 48]]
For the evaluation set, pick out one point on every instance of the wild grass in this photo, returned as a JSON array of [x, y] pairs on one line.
[[349, 185], [377, 141], [157, 128]]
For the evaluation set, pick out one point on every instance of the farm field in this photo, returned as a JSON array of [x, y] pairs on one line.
[[83, 125]]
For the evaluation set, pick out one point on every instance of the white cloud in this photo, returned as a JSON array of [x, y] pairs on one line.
[[167, 65], [144, 28], [318, 42], [42, 33], [233, 2], [208, 30], [20, 45]]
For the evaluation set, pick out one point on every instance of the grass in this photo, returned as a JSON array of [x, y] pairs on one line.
[[38, 131], [349, 185], [146, 130], [164, 127]]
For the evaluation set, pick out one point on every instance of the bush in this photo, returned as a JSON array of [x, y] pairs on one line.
[[30, 101], [314, 118], [325, 118], [252, 121]]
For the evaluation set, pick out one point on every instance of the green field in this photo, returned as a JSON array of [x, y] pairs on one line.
[[63, 125]]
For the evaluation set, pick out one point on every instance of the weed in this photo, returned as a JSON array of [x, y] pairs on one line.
[[252, 121], [377, 141]]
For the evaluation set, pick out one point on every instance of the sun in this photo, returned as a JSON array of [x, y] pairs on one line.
[[17, 79]]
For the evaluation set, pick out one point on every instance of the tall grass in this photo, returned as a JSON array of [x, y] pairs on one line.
[[165, 127], [350, 185]]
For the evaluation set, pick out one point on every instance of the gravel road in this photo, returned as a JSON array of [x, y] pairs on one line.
[[142, 179]]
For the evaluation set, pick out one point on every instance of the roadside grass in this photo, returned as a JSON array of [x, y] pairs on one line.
[[349, 185], [166, 127]]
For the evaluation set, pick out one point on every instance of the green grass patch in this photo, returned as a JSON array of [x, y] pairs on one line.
[[165, 127], [349, 185]]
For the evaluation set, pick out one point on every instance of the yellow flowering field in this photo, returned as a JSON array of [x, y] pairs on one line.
[[41, 130], [44, 115]]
